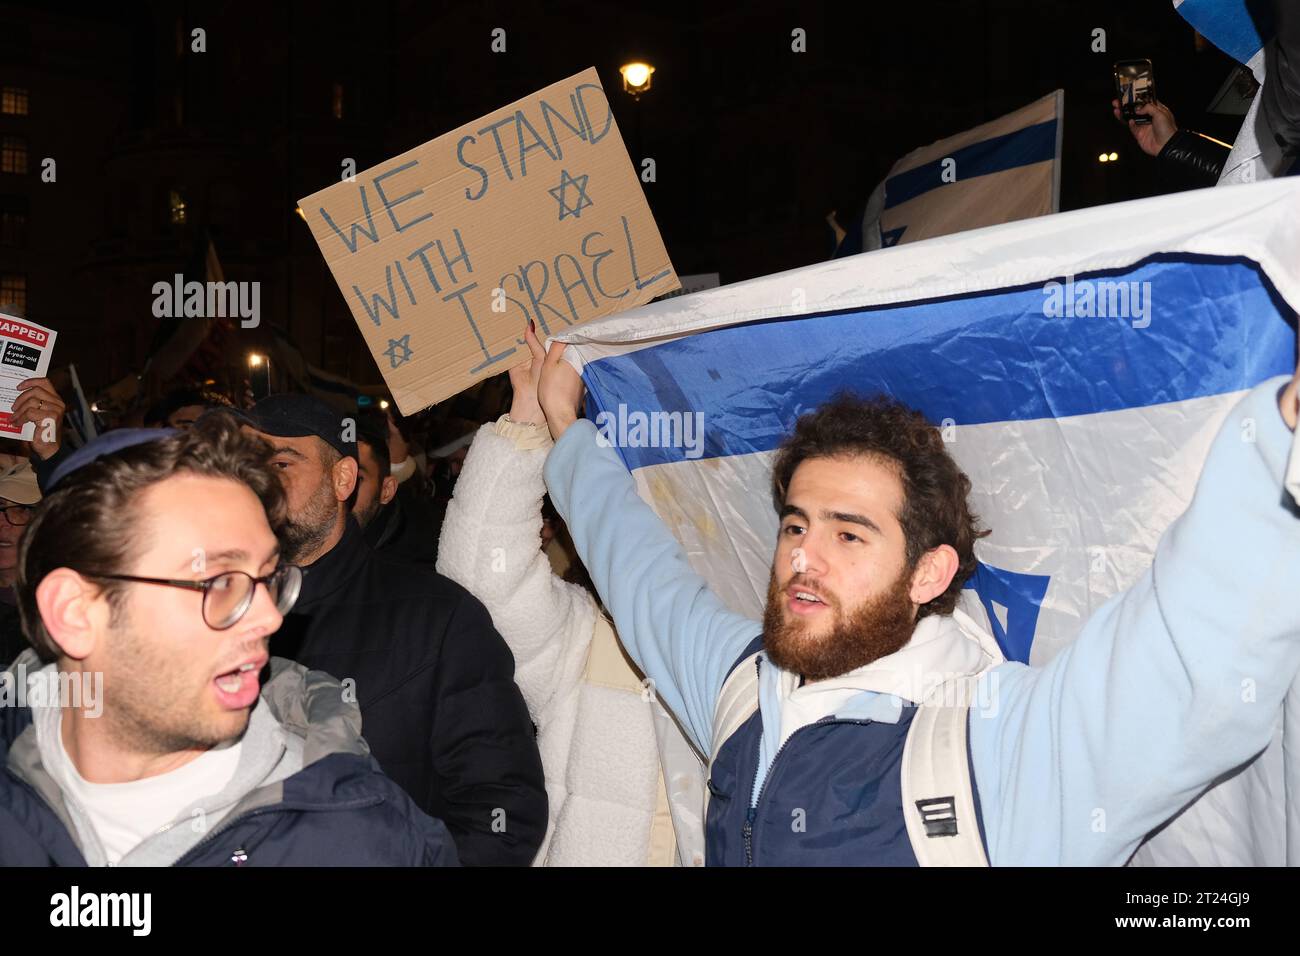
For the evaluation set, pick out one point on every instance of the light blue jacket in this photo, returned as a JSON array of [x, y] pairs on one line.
[[1169, 685]]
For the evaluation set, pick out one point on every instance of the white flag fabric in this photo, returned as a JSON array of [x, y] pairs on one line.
[[1078, 364]]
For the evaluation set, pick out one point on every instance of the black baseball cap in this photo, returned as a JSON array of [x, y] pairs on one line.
[[290, 415]]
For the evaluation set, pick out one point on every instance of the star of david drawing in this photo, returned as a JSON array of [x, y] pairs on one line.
[[396, 357], [580, 184]]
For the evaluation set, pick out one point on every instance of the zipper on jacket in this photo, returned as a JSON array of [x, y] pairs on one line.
[[752, 813]]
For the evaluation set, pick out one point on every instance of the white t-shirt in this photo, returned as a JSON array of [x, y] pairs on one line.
[[124, 814]]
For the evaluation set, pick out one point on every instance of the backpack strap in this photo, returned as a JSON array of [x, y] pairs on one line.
[[938, 802], [737, 700], [736, 703]]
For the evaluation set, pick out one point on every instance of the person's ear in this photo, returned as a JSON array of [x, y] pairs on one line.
[[345, 477], [73, 610], [934, 572], [388, 490]]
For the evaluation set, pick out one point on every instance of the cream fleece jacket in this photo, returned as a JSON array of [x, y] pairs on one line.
[[595, 725]]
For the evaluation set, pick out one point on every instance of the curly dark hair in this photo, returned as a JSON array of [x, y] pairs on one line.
[[83, 523], [935, 509]]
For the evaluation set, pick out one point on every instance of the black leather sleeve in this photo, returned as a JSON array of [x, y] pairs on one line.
[[1191, 160]]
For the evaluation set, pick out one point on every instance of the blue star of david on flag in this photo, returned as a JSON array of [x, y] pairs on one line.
[[580, 184]]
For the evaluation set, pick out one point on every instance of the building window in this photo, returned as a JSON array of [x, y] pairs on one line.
[[177, 203], [338, 101], [13, 155], [13, 294], [13, 100], [13, 221]]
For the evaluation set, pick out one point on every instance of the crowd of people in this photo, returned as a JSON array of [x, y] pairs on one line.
[[242, 644], [250, 635]]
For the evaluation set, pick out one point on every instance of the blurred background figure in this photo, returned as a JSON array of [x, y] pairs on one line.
[[181, 407], [1267, 145], [396, 517], [18, 497]]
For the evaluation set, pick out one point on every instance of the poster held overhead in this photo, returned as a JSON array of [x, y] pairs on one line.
[[25, 349], [444, 253]]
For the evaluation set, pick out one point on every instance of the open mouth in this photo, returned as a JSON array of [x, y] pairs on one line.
[[239, 688], [804, 601]]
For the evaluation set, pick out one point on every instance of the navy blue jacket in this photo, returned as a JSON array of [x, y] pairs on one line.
[[833, 796], [339, 810]]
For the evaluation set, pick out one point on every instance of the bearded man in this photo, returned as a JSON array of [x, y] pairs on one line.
[[869, 721], [416, 651]]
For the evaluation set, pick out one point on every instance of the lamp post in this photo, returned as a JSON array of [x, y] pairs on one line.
[[258, 361], [637, 77]]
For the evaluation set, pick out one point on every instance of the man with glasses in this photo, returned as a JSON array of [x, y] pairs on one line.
[[18, 493], [136, 730]]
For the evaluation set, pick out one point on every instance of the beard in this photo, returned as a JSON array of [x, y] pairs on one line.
[[874, 629], [306, 532], [150, 706], [365, 515]]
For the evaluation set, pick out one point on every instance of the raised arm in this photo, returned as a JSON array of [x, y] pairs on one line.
[[678, 632], [491, 545], [1170, 684]]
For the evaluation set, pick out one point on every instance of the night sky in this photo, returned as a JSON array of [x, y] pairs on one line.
[[753, 143]]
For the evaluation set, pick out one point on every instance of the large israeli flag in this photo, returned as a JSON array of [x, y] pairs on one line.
[[1004, 170], [1079, 365]]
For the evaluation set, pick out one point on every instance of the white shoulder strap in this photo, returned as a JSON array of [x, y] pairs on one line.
[[938, 802], [737, 702]]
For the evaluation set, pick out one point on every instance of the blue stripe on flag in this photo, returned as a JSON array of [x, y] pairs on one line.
[[1239, 28], [1024, 147], [1216, 326]]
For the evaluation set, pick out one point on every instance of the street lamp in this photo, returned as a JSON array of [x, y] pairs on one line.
[[255, 361], [636, 78]]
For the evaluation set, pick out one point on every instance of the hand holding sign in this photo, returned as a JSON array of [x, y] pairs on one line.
[[533, 213], [524, 377], [25, 349], [39, 404]]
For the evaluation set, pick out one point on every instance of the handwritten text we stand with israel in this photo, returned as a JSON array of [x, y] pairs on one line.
[[527, 216]]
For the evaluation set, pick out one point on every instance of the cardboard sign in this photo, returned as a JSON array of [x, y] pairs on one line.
[[445, 252]]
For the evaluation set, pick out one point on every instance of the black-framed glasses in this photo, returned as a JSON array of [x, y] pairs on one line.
[[18, 515], [228, 596]]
